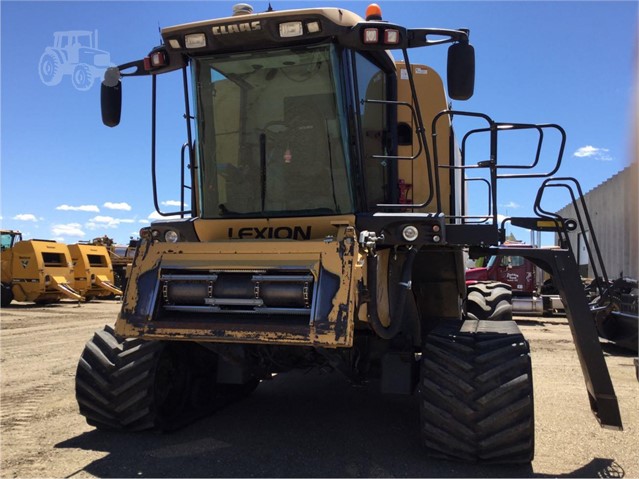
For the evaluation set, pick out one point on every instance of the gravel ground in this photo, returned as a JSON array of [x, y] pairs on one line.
[[298, 425]]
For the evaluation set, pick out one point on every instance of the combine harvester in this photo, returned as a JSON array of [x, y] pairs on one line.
[[327, 228], [93, 271], [35, 270]]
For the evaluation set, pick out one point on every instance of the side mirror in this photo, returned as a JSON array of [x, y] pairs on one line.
[[111, 97], [461, 71]]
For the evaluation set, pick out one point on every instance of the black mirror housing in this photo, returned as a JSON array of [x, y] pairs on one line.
[[111, 98], [461, 71]]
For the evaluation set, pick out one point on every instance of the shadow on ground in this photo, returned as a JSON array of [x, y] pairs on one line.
[[295, 426]]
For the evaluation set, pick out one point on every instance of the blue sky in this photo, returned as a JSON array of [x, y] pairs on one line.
[[66, 176]]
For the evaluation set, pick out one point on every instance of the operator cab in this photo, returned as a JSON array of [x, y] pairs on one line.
[[295, 111], [9, 238]]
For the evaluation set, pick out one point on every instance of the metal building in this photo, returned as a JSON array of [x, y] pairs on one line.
[[614, 211]]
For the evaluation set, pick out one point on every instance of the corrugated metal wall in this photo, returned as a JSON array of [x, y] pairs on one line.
[[614, 210]]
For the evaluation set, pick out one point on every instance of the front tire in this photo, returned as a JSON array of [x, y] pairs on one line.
[[134, 385], [476, 393], [115, 382]]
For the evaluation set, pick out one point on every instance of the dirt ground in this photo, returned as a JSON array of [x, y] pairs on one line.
[[298, 425]]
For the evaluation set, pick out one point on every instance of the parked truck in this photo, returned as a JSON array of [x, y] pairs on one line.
[[304, 245], [532, 292]]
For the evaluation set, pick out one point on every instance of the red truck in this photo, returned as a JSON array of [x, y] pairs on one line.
[[530, 293]]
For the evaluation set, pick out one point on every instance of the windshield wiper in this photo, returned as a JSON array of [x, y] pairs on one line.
[[330, 163]]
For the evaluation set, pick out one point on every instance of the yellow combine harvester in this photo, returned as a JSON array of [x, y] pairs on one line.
[[35, 270], [327, 228], [92, 271]]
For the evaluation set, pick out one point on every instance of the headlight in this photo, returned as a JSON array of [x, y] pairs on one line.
[[171, 236], [410, 233]]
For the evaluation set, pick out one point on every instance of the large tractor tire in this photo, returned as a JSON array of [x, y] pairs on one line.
[[489, 300], [476, 393], [6, 295], [134, 385]]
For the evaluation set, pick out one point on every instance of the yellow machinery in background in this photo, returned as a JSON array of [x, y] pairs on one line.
[[121, 258], [92, 271], [35, 270]]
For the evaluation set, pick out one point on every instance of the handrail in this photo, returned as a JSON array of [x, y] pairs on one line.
[[577, 201]]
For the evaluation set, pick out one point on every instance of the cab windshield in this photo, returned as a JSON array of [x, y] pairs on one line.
[[271, 134]]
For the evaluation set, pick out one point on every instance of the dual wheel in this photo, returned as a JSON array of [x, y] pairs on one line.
[[476, 391]]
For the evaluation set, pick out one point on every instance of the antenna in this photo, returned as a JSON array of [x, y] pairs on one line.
[[160, 33], [270, 8]]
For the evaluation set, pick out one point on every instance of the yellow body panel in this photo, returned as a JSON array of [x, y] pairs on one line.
[[432, 100], [312, 227], [39, 271], [92, 270]]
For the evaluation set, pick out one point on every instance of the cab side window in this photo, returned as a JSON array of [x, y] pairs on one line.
[[371, 85]]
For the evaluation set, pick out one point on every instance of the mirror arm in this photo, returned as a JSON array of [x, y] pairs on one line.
[[139, 69], [418, 37]]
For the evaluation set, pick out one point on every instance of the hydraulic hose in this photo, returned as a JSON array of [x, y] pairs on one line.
[[397, 318]]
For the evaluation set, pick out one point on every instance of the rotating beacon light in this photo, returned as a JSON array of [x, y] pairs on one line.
[[373, 12]]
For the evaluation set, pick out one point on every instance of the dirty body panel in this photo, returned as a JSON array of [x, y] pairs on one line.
[[275, 292]]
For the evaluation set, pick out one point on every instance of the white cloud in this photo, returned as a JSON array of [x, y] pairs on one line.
[[589, 151], [91, 208], [510, 204], [70, 229], [173, 203], [157, 216], [144, 222], [25, 217], [117, 206], [98, 222]]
